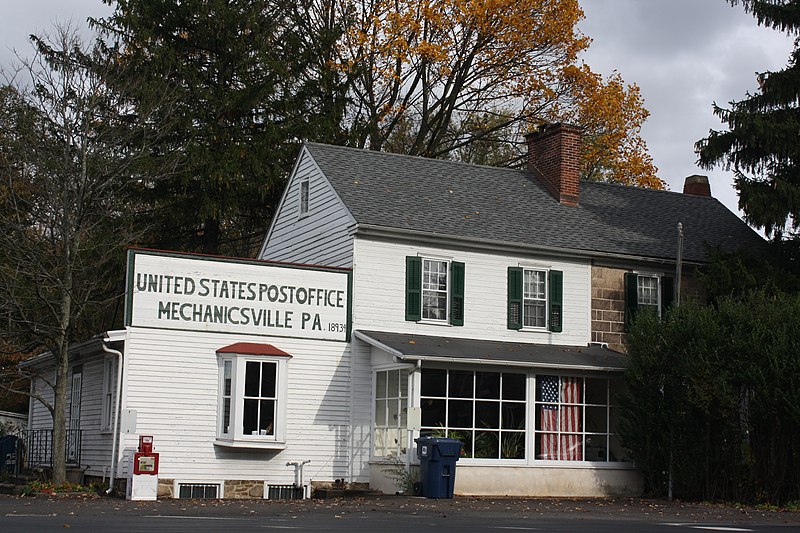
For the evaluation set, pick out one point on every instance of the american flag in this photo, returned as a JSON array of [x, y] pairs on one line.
[[559, 420]]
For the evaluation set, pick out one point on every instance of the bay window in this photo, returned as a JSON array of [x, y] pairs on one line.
[[252, 396]]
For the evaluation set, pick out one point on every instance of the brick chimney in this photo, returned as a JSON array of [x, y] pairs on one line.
[[697, 186], [554, 156]]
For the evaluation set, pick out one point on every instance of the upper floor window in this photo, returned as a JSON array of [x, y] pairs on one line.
[[435, 290], [252, 395], [304, 191], [535, 298], [646, 291]]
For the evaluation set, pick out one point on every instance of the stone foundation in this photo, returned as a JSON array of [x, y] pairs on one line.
[[236, 489]]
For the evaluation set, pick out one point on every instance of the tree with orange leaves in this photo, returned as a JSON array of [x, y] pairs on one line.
[[437, 78]]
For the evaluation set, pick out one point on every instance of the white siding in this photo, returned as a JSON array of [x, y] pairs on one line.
[[172, 380], [379, 293], [95, 444], [321, 236]]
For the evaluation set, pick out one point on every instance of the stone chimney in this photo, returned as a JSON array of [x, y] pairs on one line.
[[554, 156], [697, 186]]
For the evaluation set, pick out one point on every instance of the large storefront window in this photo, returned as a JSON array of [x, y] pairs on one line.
[[391, 409], [485, 410], [576, 420]]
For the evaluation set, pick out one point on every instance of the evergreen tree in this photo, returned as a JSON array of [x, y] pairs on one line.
[[248, 80], [761, 144]]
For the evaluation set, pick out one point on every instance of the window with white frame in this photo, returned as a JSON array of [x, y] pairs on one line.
[[647, 292], [576, 419], [391, 410], [434, 289], [534, 311], [109, 384], [304, 192], [252, 400], [484, 410]]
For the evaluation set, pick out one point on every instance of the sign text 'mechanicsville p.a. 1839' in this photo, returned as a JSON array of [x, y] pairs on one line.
[[196, 293]]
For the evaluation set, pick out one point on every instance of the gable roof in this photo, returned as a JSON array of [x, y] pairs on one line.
[[494, 204]]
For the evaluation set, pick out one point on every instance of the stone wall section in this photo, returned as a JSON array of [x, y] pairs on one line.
[[608, 306], [608, 303]]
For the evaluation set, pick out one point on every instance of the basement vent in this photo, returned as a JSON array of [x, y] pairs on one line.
[[285, 492], [198, 491]]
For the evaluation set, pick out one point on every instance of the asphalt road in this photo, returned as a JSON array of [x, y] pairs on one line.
[[386, 515]]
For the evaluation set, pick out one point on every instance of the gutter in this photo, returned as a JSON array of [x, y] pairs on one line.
[[115, 431]]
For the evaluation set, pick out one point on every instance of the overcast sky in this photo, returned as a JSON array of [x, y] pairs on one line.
[[683, 54]]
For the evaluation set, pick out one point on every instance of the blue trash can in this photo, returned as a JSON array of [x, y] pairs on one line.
[[437, 465]]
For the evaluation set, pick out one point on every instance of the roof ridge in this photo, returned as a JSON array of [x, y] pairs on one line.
[[413, 157]]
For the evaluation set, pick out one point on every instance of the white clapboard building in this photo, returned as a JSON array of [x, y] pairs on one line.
[[447, 299], [494, 301]]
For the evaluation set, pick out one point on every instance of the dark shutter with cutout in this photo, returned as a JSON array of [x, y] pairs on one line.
[[667, 293], [631, 298], [413, 288], [514, 298], [456, 293], [556, 282]]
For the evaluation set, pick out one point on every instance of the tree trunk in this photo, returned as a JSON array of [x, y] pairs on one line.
[[60, 415]]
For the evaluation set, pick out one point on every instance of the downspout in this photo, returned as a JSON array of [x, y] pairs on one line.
[[115, 436]]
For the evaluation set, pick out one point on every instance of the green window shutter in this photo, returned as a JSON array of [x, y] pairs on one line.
[[514, 298], [667, 293], [556, 282], [456, 293], [631, 298], [413, 288]]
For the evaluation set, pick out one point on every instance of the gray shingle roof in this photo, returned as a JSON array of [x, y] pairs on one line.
[[500, 204], [454, 349]]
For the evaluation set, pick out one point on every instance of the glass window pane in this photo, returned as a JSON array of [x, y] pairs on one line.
[[433, 413], [514, 415], [571, 447], [547, 416], [403, 383], [393, 418], [596, 448], [596, 420], [393, 383], [616, 452], [380, 413], [459, 414], [434, 382], [266, 423], [548, 389], [512, 445], [251, 378], [380, 384], [596, 391], [467, 438], [487, 444], [226, 415], [268, 379], [514, 386], [403, 413], [226, 377], [487, 385], [250, 417], [487, 415], [461, 384]]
